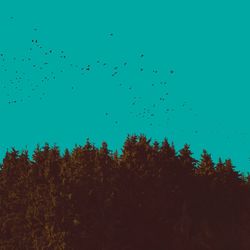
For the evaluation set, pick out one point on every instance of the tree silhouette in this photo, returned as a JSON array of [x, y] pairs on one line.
[[206, 166], [148, 197]]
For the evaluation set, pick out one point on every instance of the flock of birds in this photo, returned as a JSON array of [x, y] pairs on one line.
[[28, 77], [37, 69]]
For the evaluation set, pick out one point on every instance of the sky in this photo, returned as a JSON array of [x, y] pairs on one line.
[[71, 70]]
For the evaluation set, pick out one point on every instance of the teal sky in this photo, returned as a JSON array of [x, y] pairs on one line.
[[205, 101]]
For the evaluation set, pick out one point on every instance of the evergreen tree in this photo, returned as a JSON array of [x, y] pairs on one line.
[[206, 165], [188, 162], [146, 198]]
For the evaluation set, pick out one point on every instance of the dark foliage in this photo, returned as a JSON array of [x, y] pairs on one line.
[[149, 197]]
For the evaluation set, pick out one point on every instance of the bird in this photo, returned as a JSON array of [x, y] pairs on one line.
[[47, 60]]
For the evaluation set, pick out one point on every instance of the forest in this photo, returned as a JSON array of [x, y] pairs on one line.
[[147, 197]]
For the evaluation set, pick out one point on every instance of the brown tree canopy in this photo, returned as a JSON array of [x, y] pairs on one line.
[[149, 197]]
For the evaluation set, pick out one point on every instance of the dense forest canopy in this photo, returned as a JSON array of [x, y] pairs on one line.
[[148, 197]]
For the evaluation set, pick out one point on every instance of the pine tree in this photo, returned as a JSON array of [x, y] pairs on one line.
[[206, 165], [147, 198], [187, 161], [168, 150], [220, 166]]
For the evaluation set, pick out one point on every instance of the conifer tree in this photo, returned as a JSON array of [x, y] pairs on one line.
[[147, 198], [206, 165], [188, 162]]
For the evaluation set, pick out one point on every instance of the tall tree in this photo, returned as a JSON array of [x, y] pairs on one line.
[[206, 165]]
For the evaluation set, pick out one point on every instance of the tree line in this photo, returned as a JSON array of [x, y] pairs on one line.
[[148, 197]]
